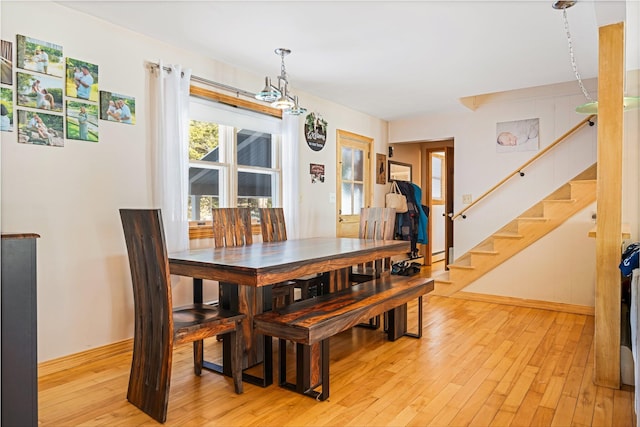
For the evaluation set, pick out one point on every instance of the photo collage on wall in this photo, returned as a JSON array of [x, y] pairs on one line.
[[54, 93]]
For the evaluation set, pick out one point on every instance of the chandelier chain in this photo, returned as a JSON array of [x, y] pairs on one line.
[[283, 70], [572, 56]]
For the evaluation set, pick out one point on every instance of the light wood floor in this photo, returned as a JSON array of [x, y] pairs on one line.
[[478, 364]]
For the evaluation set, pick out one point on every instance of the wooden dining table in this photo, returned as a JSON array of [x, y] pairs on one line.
[[244, 272]]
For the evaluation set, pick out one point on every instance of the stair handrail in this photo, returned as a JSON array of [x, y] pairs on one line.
[[527, 163]]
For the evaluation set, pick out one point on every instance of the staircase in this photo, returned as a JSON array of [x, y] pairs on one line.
[[523, 231]]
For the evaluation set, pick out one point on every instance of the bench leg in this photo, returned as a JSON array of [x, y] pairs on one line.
[[324, 348], [303, 369], [419, 333], [397, 322]]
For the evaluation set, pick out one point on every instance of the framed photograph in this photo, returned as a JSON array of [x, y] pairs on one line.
[[40, 128], [6, 110], [317, 173], [518, 135], [6, 62], [39, 56], [36, 91], [82, 80], [82, 121], [381, 168], [117, 108]]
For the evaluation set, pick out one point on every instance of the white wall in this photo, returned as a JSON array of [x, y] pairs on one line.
[[560, 267], [71, 195]]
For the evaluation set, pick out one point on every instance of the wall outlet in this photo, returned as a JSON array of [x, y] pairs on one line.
[[332, 197], [467, 199]]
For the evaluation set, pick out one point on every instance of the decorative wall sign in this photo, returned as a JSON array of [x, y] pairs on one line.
[[315, 131], [381, 168], [519, 135], [117, 108], [40, 56], [317, 173]]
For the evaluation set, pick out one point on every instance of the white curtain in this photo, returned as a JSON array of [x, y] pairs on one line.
[[290, 174], [170, 113]]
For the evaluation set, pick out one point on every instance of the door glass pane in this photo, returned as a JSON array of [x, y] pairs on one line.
[[347, 196], [347, 160], [358, 198], [358, 165], [254, 148]]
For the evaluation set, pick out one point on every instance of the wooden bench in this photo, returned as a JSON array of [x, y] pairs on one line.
[[315, 320]]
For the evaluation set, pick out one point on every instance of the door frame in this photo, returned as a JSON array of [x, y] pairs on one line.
[[349, 138], [427, 148]]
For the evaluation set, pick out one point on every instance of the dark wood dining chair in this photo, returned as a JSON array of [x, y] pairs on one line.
[[375, 224], [158, 325], [274, 229], [231, 227]]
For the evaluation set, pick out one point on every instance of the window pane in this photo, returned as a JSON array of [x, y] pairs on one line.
[[204, 192], [347, 160], [347, 197], [254, 185], [436, 177], [201, 206], [203, 141], [254, 148], [358, 165]]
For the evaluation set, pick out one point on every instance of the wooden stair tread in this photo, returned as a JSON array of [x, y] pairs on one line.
[[483, 252], [507, 235], [559, 200], [533, 218], [461, 267]]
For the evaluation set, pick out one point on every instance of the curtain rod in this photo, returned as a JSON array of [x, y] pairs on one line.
[[197, 79]]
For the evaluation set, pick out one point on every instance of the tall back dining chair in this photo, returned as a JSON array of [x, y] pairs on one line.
[[375, 224], [231, 227], [158, 325], [274, 229], [272, 225]]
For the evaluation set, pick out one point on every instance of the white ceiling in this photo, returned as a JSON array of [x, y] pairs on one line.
[[389, 59]]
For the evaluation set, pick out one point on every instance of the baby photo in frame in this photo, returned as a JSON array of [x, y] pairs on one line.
[[517, 135]]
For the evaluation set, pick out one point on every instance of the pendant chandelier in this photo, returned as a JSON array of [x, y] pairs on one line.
[[279, 96], [591, 106]]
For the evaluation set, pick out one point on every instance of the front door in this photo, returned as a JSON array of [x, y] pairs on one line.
[[353, 181]]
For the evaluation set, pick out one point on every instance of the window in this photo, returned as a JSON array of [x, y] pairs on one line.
[[437, 177], [234, 159]]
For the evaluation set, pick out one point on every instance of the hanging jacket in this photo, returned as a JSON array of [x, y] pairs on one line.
[[422, 216], [407, 222]]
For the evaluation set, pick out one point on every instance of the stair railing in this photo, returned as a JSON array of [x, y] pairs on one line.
[[519, 171]]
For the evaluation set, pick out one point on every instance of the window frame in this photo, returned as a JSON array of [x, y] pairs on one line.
[[229, 169]]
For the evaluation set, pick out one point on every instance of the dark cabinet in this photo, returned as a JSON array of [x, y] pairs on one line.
[[19, 330]]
